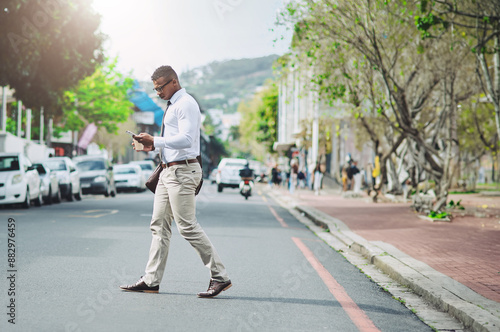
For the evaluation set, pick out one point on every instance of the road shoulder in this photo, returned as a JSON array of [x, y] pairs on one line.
[[473, 311]]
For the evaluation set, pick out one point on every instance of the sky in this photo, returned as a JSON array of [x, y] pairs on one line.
[[189, 33]]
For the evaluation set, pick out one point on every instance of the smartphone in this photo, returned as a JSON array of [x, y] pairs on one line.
[[131, 133]]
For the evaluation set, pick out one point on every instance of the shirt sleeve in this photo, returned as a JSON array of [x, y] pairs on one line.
[[187, 117]]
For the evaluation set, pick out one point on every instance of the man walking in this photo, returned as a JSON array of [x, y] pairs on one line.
[[174, 199]]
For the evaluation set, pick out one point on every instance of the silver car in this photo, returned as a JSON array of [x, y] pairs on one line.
[[128, 177]]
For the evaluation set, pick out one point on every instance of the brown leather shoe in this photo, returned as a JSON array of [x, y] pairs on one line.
[[215, 288], [140, 286]]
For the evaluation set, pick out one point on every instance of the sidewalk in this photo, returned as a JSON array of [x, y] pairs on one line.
[[466, 249]]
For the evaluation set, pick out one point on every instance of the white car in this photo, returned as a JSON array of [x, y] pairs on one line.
[[213, 176], [147, 166], [128, 177], [67, 175], [228, 173], [19, 180]]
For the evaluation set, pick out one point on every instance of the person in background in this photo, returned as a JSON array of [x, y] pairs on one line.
[[318, 177], [293, 176]]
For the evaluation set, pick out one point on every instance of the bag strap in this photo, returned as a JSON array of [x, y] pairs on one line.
[[163, 126]]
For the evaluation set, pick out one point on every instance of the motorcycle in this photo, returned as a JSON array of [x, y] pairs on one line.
[[246, 185]]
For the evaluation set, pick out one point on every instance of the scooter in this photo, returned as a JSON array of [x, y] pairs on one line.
[[246, 185]]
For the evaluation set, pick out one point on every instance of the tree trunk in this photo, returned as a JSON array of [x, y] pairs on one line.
[[444, 181], [493, 84], [396, 186]]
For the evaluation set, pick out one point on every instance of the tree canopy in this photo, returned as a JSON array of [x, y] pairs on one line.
[[101, 98], [47, 48], [370, 54], [258, 126]]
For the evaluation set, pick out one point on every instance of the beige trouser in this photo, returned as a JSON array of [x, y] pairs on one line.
[[175, 200]]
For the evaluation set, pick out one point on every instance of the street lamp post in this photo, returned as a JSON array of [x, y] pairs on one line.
[[4, 108], [41, 125], [19, 117]]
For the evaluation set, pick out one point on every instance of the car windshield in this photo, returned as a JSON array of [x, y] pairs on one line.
[[235, 165], [9, 163], [91, 165], [146, 166], [56, 165], [40, 169], [125, 170]]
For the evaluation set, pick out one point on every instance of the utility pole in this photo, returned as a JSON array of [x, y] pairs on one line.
[[28, 124], [19, 117], [50, 130], [315, 130], [4, 108], [41, 125]]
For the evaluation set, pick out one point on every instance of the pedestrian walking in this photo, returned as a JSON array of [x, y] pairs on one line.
[[174, 198], [294, 171], [356, 177], [318, 177], [276, 176]]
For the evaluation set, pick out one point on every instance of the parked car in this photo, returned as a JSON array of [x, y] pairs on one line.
[[129, 177], [147, 166], [259, 170], [228, 174], [67, 175], [96, 175], [213, 175], [49, 184], [19, 180]]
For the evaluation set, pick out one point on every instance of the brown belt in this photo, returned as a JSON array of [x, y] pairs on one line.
[[181, 162]]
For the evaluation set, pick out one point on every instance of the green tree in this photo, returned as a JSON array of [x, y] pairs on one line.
[[258, 126], [414, 91], [209, 127], [47, 47], [478, 136], [100, 98], [217, 150], [476, 24]]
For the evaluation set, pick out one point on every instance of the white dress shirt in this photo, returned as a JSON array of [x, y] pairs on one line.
[[181, 137]]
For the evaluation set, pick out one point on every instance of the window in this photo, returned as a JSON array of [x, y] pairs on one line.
[[9, 163], [91, 165], [56, 165]]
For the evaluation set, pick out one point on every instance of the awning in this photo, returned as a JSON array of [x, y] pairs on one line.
[[282, 147], [144, 103]]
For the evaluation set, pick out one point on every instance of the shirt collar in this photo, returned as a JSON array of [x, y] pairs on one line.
[[177, 95]]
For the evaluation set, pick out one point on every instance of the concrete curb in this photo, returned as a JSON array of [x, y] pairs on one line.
[[473, 310]]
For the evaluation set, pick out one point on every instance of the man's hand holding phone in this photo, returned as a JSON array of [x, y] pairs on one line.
[[142, 142]]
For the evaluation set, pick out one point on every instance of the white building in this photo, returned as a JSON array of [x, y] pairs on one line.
[[299, 110]]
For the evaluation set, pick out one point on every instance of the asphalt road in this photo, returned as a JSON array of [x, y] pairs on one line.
[[70, 259]]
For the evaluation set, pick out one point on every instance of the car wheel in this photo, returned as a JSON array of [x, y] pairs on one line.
[[69, 197], [79, 195], [27, 201], [219, 188], [39, 199], [57, 198], [48, 201]]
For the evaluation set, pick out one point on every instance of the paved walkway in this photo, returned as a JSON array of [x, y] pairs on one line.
[[466, 249]]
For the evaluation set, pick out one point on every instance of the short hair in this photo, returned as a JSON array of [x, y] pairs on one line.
[[165, 72]]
